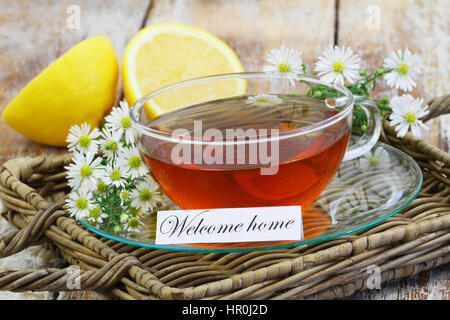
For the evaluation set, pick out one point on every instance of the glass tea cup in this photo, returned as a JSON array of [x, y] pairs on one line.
[[249, 139]]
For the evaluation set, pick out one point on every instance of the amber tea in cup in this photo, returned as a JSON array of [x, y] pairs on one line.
[[266, 147]]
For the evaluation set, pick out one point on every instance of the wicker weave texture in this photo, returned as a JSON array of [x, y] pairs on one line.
[[414, 240]]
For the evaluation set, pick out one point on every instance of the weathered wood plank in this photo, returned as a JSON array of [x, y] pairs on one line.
[[32, 35], [252, 27], [433, 284], [376, 27], [422, 26]]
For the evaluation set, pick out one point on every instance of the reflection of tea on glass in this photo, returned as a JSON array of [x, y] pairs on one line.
[[306, 162]]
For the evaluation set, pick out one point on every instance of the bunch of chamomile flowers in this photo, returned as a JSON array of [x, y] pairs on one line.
[[112, 188]]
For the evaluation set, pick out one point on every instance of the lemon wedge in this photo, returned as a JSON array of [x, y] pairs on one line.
[[80, 86]]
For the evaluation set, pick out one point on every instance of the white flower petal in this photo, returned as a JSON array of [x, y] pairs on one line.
[[401, 129]]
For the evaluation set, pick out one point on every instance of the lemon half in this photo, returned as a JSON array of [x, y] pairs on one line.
[[168, 52]]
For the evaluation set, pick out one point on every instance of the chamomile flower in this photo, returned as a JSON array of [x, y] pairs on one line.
[[286, 62], [131, 160], [146, 195], [82, 139], [133, 211], [115, 175], [96, 217], [132, 225], [101, 186], [79, 203], [119, 121], [110, 143], [124, 196], [124, 218], [337, 65], [406, 114], [379, 158], [405, 66], [264, 100], [84, 172]]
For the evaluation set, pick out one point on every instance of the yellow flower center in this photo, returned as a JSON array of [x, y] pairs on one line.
[[85, 171], [81, 203], [84, 141], [134, 162], [133, 223], [410, 117], [115, 174], [133, 210], [338, 66], [402, 68], [94, 213], [373, 161], [101, 186], [125, 122], [145, 195], [124, 195], [284, 67]]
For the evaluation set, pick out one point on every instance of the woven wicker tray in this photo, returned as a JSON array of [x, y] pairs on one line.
[[416, 239]]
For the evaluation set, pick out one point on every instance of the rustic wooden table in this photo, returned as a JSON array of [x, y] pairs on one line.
[[34, 33]]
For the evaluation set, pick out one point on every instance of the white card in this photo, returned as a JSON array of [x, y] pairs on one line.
[[229, 225]]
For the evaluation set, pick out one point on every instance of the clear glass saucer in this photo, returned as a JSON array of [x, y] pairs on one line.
[[364, 192]]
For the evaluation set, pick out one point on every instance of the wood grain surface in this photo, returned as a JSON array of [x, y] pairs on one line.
[[34, 33], [421, 26]]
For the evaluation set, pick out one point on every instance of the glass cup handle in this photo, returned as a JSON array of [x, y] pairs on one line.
[[372, 133]]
